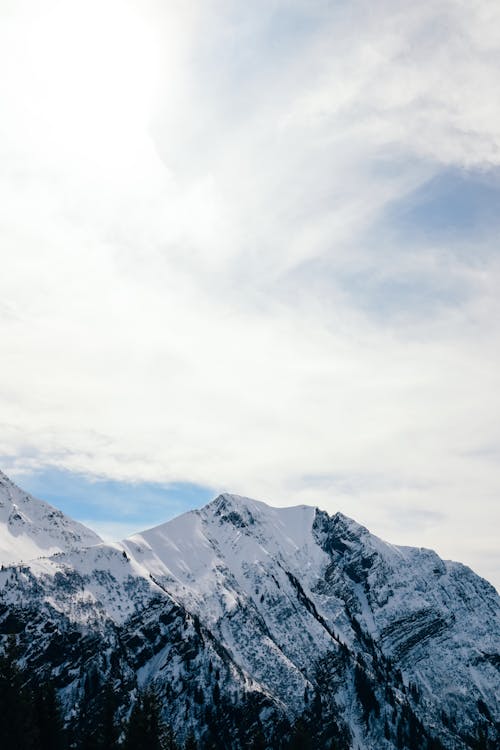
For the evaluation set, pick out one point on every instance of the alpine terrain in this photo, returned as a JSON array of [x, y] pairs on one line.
[[248, 626], [31, 528]]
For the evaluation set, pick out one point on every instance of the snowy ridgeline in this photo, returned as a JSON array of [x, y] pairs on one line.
[[30, 528], [246, 618]]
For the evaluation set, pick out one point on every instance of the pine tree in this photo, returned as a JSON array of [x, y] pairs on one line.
[[145, 728], [136, 727], [108, 732], [18, 730], [258, 740], [365, 692], [48, 718], [301, 737]]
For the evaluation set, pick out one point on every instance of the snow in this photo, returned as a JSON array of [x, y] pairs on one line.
[[201, 553], [276, 587], [230, 564], [31, 528]]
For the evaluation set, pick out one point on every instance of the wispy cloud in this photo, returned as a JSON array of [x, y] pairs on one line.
[[246, 243]]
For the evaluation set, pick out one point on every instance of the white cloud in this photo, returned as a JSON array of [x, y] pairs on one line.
[[170, 176]]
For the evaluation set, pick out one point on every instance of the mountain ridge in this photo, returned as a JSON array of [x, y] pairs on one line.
[[271, 615], [31, 528]]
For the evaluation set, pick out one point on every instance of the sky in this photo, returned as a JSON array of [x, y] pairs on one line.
[[253, 247]]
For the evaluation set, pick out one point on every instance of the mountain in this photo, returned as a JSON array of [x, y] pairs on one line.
[[31, 528], [265, 627]]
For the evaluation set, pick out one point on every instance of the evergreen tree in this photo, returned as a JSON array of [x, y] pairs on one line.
[[18, 729], [108, 731], [365, 692], [48, 718], [258, 740], [136, 727], [145, 728], [301, 738], [97, 727]]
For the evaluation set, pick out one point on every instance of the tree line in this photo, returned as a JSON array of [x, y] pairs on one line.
[[31, 717]]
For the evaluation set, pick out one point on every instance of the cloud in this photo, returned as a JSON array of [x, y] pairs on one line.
[[206, 276]]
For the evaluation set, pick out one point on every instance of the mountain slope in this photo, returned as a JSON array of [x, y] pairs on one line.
[[296, 582], [248, 618], [31, 528]]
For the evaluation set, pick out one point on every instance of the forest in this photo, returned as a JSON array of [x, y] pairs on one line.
[[32, 719]]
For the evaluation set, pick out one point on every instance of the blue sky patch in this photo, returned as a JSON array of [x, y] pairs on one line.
[[412, 295], [454, 202], [138, 505]]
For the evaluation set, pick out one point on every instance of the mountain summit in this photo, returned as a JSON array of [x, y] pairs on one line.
[[31, 528], [254, 624]]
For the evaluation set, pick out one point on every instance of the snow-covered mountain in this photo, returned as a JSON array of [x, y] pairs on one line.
[[248, 619], [295, 580], [31, 528]]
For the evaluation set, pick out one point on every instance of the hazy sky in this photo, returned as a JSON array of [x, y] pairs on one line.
[[254, 247]]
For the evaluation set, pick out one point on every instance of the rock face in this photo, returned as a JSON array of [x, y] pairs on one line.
[[31, 528], [251, 620]]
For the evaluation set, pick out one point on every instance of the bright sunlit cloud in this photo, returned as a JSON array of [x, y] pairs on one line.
[[254, 247]]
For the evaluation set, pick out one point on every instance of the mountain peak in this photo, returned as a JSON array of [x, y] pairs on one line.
[[237, 509], [31, 528]]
